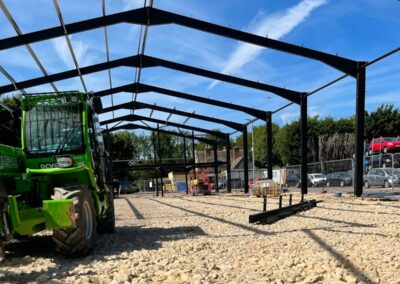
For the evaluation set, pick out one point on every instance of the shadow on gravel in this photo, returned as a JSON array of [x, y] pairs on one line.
[[350, 224], [362, 277], [136, 212], [217, 204], [222, 220], [357, 211], [108, 247], [383, 204]]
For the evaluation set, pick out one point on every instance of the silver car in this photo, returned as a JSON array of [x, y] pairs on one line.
[[391, 176], [374, 179]]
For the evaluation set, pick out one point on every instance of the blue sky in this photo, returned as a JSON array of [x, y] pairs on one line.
[[357, 29]]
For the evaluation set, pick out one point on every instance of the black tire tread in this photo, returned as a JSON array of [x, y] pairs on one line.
[[72, 242], [107, 224]]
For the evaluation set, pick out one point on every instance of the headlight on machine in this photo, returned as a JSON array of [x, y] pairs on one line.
[[64, 162]]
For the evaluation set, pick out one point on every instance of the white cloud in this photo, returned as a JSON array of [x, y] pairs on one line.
[[288, 117], [275, 26], [133, 4], [80, 50], [314, 111]]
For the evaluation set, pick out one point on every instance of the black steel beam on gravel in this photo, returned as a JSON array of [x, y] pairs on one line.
[[269, 217], [141, 105], [143, 88], [134, 117]]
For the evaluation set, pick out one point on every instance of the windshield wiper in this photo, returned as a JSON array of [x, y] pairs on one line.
[[65, 139]]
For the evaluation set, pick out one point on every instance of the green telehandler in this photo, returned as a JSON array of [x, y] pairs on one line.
[[58, 179]]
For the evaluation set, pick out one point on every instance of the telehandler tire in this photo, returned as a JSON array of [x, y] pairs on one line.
[[107, 225], [80, 240]]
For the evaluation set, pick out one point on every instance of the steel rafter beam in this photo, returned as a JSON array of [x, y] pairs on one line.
[[146, 61], [143, 88], [16, 28], [130, 61], [151, 16], [132, 126], [290, 95], [135, 117], [187, 118], [137, 16], [71, 49], [139, 105]]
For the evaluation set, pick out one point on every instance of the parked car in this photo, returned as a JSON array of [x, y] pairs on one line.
[[293, 179], [127, 186], [373, 179], [339, 179], [378, 161], [384, 144], [317, 179], [392, 177], [309, 183]]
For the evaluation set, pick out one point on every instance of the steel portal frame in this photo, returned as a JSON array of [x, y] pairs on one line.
[[149, 16]]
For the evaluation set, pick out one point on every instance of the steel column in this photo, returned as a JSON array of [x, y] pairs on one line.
[[216, 165], [111, 168], [269, 144], [159, 160], [360, 118], [194, 156], [185, 162], [245, 159], [155, 160], [228, 164], [303, 143]]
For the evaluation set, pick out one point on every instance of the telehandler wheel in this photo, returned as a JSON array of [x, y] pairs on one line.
[[107, 224], [80, 240]]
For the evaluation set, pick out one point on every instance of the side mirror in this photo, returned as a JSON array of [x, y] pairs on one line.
[[97, 104]]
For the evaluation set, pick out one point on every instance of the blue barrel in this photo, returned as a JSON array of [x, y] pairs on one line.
[[338, 194], [181, 186]]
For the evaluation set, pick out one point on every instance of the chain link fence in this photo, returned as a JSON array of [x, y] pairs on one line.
[[380, 170]]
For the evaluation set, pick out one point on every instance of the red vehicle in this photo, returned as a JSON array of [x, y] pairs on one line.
[[384, 144]]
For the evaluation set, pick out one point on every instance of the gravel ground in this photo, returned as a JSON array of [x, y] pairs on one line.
[[207, 239]]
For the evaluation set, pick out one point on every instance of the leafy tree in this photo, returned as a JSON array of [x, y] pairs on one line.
[[122, 145], [288, 143], [384, 121]]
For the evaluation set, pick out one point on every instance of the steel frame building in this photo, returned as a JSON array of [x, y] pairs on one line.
[[150, 16]]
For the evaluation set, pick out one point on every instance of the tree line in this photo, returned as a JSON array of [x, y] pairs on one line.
[[328, 138]]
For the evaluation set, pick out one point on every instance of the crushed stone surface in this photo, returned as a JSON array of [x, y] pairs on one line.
[[208, 239]]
